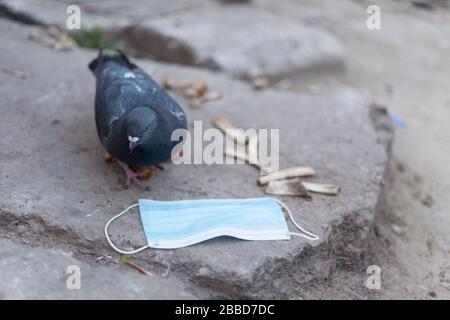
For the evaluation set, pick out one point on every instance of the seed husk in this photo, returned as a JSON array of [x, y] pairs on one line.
[[288, 187], [286, 173], [329, 189], [226, 127]]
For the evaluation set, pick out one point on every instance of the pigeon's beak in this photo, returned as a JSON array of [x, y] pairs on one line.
[[132, 146], [133, 143]]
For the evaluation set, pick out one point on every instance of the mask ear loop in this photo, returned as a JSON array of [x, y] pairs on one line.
[[109, 240], [306, 234]]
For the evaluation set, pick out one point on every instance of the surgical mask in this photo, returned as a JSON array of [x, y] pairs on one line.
[[177, 224]]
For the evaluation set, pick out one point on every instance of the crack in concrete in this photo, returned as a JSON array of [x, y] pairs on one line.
[[39, 233], [7, 13]]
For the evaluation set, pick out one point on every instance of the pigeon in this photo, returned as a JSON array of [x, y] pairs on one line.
[[134, 116]]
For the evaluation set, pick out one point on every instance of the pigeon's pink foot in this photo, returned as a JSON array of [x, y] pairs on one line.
[[132, 177]]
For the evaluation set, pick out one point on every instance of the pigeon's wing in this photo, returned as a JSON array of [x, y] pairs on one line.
[[109, 106]]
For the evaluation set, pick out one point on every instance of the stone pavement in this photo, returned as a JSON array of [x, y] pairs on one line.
[[57, 191], [238, 39], [34, 273]]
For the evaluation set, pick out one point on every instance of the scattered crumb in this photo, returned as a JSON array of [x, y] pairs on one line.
[[196, 91], [260, 83], [400, 167], [397, 229], [108, 158], [427, 201], [147, 173], [55, 40], [16, 73]]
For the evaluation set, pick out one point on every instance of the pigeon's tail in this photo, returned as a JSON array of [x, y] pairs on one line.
[[120, 59]]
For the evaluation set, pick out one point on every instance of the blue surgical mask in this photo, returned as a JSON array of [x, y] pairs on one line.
[[177, 224]]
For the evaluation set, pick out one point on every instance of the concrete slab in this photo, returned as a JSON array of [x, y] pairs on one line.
[[54, 177], [34, 273], [238, 38], [106, 14]]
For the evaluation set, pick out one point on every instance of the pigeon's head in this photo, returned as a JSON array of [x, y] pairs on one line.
[[140, 124]]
